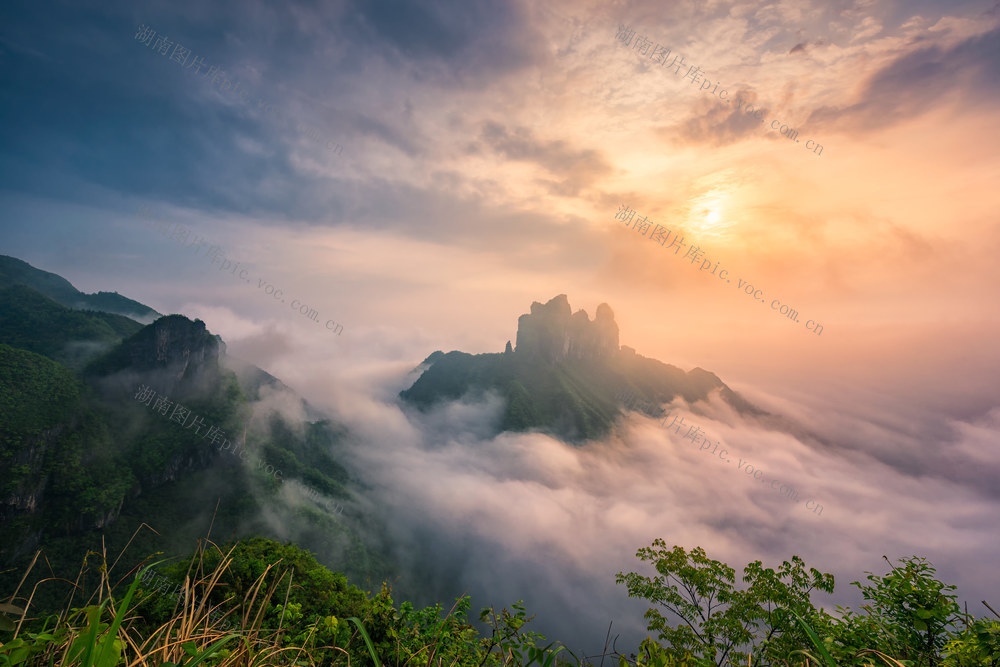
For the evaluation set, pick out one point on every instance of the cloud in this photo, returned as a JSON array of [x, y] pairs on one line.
[[965, 73], [804, 47], [451, 43], [524, 516], [487, 146], [583, 166], [718, 124]]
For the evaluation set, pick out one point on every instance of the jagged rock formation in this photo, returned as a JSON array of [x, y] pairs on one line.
[[180, 348], [175, 342], [551, 332], [563, 376]]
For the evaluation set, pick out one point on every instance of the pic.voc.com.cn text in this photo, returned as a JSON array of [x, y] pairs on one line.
[[181, 415], [661, 234], [661, 54], [695, 433]]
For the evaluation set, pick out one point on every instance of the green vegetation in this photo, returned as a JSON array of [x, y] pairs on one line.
[[257, 602], [14, 271], [85, 463], [572, 399], [909, 619], [54, 442], [721, 621], [35, 394], [31, 321]]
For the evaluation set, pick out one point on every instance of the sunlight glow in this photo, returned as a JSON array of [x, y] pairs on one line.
[[708, 214]]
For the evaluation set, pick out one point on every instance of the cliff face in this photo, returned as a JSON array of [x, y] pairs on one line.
[[24, 497], [551, 332], [177, 343], [55, 448], [174, 346], [54, 430], [79, 452]]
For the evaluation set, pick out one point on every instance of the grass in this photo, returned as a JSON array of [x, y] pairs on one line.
[[104, 633], [111, 628]]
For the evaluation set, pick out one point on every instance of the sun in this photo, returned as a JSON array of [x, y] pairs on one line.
[[712, 209], [708, 215]]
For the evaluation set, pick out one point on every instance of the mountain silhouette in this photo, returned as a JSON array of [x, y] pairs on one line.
[[566, 376], [14, 271]]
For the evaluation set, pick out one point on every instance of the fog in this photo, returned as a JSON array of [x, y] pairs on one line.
[[526, 516]]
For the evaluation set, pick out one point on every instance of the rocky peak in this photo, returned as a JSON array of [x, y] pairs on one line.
[[178, 343], [173, 346], [552, 332]]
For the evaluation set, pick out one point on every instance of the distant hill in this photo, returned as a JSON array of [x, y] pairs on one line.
[[566, 376], [30, 320], [14, 271]]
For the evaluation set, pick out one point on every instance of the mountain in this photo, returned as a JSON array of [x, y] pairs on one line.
[[171, 342], [14, 271], [32, 321], [565, 377], [113, 433]]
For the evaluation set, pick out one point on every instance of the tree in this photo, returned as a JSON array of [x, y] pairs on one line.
[[720, 622], [910, 613]]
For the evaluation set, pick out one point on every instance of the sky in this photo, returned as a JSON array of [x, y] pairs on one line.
[[417, 173]]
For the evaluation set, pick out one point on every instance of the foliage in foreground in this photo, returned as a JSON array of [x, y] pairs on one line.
[[256, 602], [910, 617]]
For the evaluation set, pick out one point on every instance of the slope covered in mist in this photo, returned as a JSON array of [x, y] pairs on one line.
[[109, 425]]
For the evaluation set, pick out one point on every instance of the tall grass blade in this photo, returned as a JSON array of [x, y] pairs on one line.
[[368, 641], [207, 653], [112, 635], [817, 642]]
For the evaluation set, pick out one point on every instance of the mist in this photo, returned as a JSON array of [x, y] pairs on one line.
[[526, 516]]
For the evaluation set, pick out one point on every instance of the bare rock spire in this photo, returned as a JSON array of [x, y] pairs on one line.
[[552, 332]]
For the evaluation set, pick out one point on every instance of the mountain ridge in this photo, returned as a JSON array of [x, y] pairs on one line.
[[15, 271]]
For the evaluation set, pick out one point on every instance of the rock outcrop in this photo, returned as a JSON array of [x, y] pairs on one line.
[[176, 347], [566, 377], [176, 342], [552, 332]]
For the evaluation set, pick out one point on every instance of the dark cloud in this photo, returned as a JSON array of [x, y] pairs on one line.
[[89, 100], [803, 47], [373, 127], [900, 90], [461, 41], [717, 123], [582, 167], [89, 109]]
